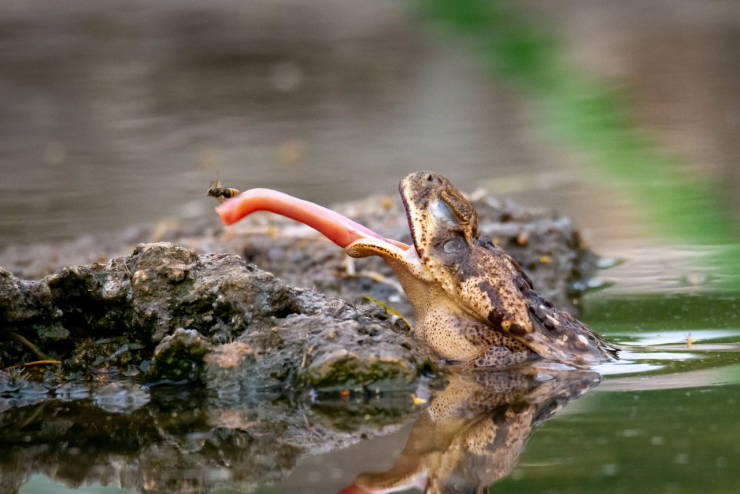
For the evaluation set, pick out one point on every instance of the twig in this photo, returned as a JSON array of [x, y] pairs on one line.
[[36, 362], [24, 341], [388, 308], [33, 416], [375, 276]]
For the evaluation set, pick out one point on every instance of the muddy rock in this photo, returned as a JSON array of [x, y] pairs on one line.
[[167, 313], [333, 346]]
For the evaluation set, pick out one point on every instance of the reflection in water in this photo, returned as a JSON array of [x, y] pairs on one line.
[[470, 435], [473, 431], [180, 441]]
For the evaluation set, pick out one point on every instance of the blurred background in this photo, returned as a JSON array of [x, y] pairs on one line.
[[624, 115]]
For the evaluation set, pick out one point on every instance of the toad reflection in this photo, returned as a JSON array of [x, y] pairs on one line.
[[473, 431]]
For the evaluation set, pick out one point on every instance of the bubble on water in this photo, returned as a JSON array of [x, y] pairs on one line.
[[610, 469], [696, 279], [631, 433], [657, 441]]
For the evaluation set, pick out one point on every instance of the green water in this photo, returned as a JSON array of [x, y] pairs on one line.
[[669, 429], [666, 441]]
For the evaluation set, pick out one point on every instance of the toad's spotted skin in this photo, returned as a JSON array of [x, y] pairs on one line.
[[473, 302]]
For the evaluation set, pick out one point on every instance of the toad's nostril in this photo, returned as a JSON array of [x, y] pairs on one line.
[[430, 178]]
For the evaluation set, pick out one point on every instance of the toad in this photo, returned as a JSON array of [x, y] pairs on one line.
[[474, 304]]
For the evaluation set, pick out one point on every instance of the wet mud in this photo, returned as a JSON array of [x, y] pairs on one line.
[[167, 313]]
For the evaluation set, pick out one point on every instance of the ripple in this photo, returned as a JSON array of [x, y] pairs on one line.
[[655, 338]]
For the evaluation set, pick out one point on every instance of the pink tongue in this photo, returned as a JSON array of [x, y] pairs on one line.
[[336, 227]]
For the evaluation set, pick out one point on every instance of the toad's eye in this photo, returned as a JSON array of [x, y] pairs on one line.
[[454, 245], [442, 212]]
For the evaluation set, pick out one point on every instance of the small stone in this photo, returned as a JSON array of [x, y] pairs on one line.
[[179, 356], [53, 333], [140, 277], [228, 356], [175, 274]]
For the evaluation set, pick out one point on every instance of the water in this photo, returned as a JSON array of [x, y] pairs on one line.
[[118, 115], [661, 420]]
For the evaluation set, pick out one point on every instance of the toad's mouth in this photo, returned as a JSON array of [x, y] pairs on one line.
[[334, 226]]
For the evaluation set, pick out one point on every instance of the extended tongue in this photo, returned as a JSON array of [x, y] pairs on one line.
[[336, 227]]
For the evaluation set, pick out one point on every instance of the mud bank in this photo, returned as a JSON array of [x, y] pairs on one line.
[[167, 313]]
